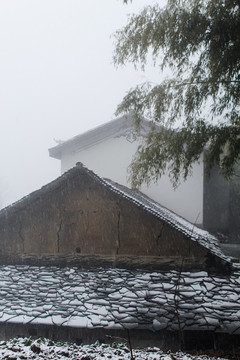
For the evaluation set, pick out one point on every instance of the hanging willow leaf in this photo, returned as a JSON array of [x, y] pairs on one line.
[[198, 108]]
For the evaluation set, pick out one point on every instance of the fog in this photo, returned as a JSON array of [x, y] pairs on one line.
[[57, 80]]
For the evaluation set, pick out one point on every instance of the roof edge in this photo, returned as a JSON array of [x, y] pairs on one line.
[[115, 127]]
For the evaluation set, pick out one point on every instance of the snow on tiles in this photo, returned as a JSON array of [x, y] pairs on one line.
[[145, 300]]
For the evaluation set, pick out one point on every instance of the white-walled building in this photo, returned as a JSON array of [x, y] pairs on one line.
[[108, 150]]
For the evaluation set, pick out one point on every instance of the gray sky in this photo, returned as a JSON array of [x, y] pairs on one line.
[[57, 80]]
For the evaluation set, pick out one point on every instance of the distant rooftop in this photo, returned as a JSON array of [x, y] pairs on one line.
[[117, 127]]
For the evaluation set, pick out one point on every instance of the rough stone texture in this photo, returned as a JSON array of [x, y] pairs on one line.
[[80, 213], [120, 299], [84, 221]]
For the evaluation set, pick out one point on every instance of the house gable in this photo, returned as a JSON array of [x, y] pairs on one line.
[[80, 214], [89, 221]]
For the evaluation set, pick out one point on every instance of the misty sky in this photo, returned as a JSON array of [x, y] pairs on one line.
[[57, 80]]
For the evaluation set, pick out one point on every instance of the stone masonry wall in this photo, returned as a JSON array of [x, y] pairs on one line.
[[78, 214]]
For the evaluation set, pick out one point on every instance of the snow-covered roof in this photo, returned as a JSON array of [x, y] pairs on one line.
[[119, 298]]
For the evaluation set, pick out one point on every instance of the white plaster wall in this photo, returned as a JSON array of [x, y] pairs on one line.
[[111, 158], [186, 200], [108, 159]]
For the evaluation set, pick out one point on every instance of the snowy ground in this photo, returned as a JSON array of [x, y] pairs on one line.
[[26, 348]]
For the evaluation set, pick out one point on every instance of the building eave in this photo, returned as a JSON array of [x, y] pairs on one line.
[[114, 128]]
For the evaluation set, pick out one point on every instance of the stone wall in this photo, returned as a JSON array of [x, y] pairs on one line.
[[79, 215]]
